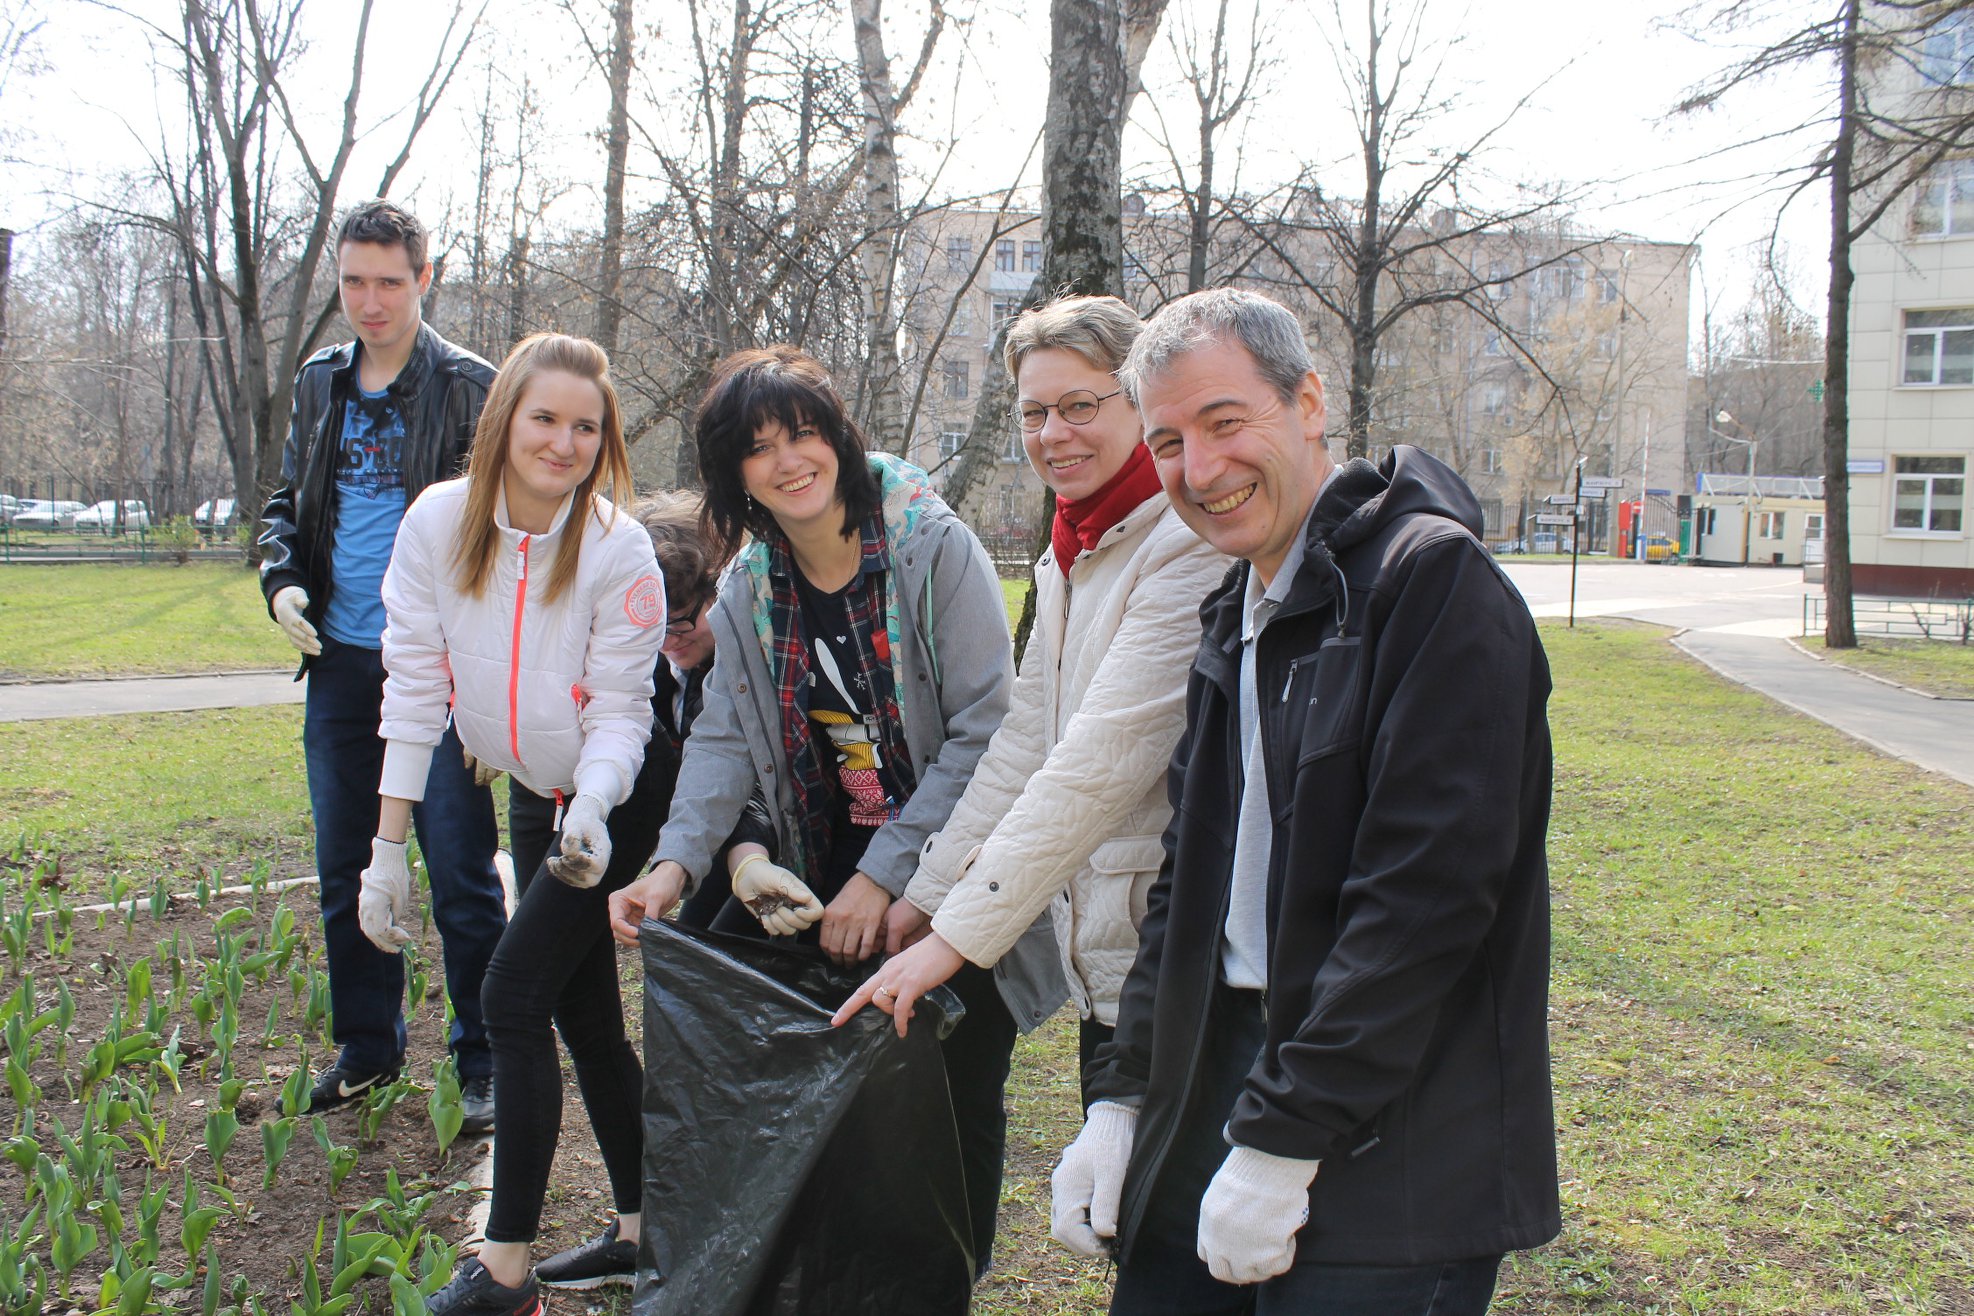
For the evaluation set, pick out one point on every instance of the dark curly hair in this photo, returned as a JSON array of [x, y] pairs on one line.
[[690, 567], [773, 385]]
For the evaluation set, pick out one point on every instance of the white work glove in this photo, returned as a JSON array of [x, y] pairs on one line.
[[781, 900], [483, 774], [1085, 1189], [1250, 1214], [585, 844], [290, 602], [383, 907]]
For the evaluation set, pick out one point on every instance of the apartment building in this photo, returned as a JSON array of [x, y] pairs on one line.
[[1580, 357], [1912, 349]]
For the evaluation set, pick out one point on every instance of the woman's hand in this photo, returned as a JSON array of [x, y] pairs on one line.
[[896, 987], [648, 897], [853, 923]]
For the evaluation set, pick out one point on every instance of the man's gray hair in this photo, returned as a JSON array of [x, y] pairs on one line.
[[1267, 329]]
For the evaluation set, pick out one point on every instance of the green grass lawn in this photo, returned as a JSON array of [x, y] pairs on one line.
[[1939, 667], [105, 619], [1762, 1007]]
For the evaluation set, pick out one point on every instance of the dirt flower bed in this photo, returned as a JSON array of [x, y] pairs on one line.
[[157, 1155]]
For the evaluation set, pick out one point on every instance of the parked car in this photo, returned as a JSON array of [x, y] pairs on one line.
[[41, 514], [103, 518], [214, 515], [1661, 548]]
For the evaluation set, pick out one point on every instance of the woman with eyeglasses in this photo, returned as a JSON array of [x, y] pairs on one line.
[[864, 664], [1066, 811]]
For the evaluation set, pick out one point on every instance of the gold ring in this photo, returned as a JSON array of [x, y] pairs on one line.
[[885, 991]]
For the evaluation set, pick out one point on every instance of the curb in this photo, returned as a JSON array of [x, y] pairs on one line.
[[1873, 676], [141, 676]]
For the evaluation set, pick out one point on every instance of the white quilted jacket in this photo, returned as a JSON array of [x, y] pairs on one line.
[[558, 694], [1067, 806]]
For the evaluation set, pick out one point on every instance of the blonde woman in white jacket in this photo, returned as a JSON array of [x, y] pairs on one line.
[[525, 604], [1067, 806]]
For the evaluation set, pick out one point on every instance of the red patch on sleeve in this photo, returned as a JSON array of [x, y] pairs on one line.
[[644, 602]]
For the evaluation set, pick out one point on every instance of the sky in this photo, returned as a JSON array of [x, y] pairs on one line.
[[1599, 80]]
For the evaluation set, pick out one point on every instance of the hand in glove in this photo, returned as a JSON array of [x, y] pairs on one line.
[[1250, 1214], [781, 900], [585, 843], [289, 606], [383, 907], [1085, 1189], [483, 774]]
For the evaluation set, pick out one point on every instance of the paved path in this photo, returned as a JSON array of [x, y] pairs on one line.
[[32, 700], [1933, 733]]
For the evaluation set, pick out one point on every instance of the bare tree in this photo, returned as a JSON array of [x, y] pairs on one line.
[[1222, 82], [1405, 237], [257, 237], [884, 232], [1870, 149]]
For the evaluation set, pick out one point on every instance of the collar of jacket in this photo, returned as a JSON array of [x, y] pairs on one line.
[[417, 372], [513, 535]]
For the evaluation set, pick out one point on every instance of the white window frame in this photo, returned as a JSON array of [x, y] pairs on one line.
[[1930, 502], [1962, 323], [1772, 525], [1490, 461], [950, 443], [1942, 186], [1946, 52]]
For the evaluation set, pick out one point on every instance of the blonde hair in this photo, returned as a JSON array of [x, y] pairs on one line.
[[479, 537], [1098, 329]]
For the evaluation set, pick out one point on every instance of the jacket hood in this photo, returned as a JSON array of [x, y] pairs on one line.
[[1363, 497]]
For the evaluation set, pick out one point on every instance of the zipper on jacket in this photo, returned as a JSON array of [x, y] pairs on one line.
[[1289, 684], [514, 658]]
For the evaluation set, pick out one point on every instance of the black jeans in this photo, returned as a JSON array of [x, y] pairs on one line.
[[457, 835], [1164, 1275], [558, 964], [1090, 1035]]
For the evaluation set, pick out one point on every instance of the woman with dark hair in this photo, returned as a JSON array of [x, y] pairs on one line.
[[863, 666], [526, 606]]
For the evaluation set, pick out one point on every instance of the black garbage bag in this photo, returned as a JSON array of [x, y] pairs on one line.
[[790, 1166]]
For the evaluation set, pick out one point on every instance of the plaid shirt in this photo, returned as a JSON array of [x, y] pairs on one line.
[[873, 622]]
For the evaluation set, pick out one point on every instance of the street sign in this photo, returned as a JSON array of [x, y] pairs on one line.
[[1589, 493], [1658, 493], [1549, 518], [1602, 482], [1561, 500]]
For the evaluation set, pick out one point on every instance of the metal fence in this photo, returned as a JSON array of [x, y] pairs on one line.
[[1919, 619]]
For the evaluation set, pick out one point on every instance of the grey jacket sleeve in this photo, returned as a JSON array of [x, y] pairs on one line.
[[971, 667], [716, 772]]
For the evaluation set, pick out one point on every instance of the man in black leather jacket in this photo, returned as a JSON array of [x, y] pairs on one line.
[[374, 422], [1329, 1085]]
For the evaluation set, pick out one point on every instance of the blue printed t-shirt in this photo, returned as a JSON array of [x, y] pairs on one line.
[[369, 505]]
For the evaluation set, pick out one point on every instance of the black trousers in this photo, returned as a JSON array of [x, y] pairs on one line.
[[557, 966], [1164, 1275]]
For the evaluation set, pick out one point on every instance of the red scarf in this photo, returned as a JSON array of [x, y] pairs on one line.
[[1080, 524]]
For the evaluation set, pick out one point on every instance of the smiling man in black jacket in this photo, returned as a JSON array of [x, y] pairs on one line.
[[1329, 1087]]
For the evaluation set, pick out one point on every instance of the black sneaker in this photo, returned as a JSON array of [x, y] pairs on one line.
[[473, 1292], [337, 1086], [476, 1099], [605, 1259]]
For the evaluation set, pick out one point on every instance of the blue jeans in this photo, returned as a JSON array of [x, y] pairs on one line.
[[1164, 1274], [457, 835]]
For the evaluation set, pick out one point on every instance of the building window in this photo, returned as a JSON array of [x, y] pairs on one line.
[[959, 255], [1004, 255], [1015, 452], [962, 316], [1134, 269], [1939, 346], [1607, 289], [1928, 494], [1005, 309], [1607, 344], [1500, 281], [1771, 525], [950, 443], [1492, 345], [1031, 257], [957, 379], [1812, 525], [1494, 401], [1946, 53], [1491, 461], [1491, 516], [1943, 201]]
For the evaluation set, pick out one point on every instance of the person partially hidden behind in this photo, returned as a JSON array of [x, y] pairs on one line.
[[1329, 1086], [374, 423]]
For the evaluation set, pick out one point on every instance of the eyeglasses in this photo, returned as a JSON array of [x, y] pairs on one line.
[[1078, 407], [678, 626]]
